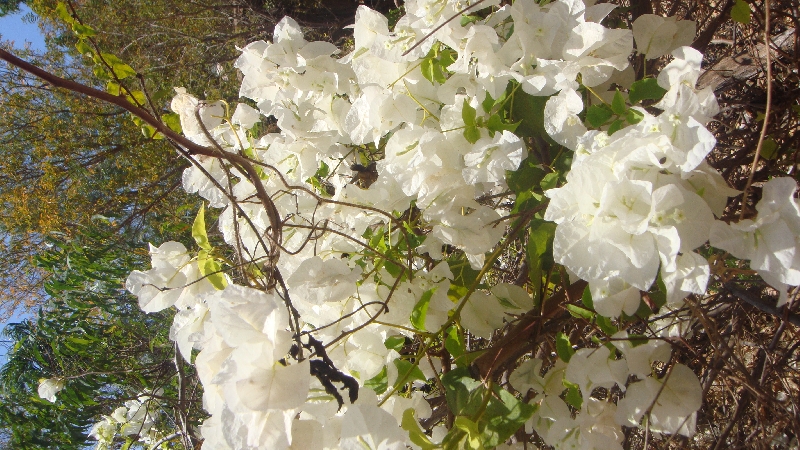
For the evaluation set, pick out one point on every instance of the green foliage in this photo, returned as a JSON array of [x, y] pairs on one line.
[[741, 12], [487, 416], [93, 334]]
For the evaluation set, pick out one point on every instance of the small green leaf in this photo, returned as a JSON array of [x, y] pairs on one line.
[[769, 149], [420, 311], [618, 105], [468, 113], [598, 115], [173, 121], [637, 339], [563, 347], [447, 57], [528, 175], [211, 270], [633, 116], [577, 311], [427, 68], [63, 13], [468, 19], [586, 298], [605, 325], [645, 89], [113, 88], [395, 342], [136, 97], [741, 12], [83, 48], [415, 433], [615, 126], [120, 69], [549, 181], [83, 31], [379, 383], [487, 103], [573, 396], [472, 134], [150, 133], [407, 372], [199, 229]]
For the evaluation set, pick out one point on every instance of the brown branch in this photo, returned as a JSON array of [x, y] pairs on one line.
[[193, 148], [509, 346]]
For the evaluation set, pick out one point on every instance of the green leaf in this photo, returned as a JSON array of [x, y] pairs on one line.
[[379, 383], [199, 229], [446, 57], [395, 342], [83, 31], [615, 126], [428, 68], [487, 103], [454, 343], [463, 273], [173, 121], [407, 372], [528, 174], [463, 393], [563, 347], [769, 148], [468, 114], [586, 298], [120, 69], [549, 181], [598, 115], [618, 105], [136, 97], [113, 88], [468, 19], [496, 124], [633, 116], [415, 433], [529, 110], [151, 133], [540, 253], [63, 13], [420, 311], [605, 325], [741, 12], [472, 134], [503, 415], [84, 48], [645, 89], [211, 269], [577, 311], [471, 432], [573, 396]]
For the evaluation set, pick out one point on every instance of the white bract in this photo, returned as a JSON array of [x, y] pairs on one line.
[[49, 387], [384, 175]]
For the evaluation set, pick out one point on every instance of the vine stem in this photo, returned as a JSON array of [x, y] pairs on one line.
[[767, 111]]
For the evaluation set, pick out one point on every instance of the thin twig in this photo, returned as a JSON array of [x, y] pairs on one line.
[[767, 111]]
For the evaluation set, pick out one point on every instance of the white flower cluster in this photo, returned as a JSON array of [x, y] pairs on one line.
[[637, 202], [642, 199], [134, 420]]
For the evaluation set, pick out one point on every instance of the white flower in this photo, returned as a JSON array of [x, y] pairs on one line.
[[674, 400], [772, 241], [49, 387], [656, 36]]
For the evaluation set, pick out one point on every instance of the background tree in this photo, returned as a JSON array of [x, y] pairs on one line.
[[94, 336]]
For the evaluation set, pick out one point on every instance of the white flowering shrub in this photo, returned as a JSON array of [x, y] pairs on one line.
[[376, 295]]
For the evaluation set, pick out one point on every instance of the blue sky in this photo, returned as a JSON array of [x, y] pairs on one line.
[[13, 28]]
